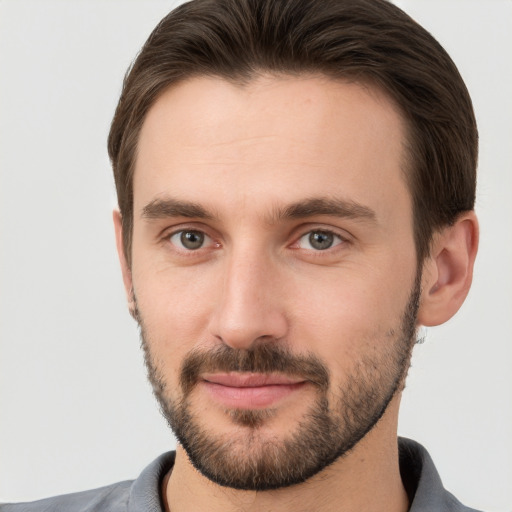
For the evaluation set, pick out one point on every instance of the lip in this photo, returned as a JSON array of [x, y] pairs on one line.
[[250, 390], [248, 380]]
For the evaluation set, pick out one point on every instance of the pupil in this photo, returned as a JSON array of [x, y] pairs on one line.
[[192, 239], [321, 241]]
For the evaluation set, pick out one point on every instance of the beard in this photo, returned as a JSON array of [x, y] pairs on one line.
[[334, 423]]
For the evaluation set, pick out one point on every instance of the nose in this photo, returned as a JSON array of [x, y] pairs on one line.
[[251, 305]]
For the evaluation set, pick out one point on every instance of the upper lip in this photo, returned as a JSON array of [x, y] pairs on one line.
[[248, 380]]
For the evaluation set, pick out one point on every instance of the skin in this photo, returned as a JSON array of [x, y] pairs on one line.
[[243, 154]]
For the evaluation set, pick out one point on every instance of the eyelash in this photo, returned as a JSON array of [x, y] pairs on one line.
[[339, 240], [168, 237]]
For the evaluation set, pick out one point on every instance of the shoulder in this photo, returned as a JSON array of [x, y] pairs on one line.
[[422, 481], [140, 495], [113, 498]]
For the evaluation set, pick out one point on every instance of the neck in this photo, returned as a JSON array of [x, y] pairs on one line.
[[365, 479]]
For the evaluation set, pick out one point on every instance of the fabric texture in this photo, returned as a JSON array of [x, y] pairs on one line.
[[419, 475]]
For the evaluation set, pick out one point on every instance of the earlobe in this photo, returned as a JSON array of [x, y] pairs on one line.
[[448, 271], [125, 268]]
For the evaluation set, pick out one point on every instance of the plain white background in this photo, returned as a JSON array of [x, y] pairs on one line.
[[75, 409]]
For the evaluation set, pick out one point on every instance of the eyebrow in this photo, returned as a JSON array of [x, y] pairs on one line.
[[169, 207], [310, 207], [335, 207]]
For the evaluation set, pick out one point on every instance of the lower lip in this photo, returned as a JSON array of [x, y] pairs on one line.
[[257, 397]]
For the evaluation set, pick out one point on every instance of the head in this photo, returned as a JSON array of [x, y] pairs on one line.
[[295, 183]]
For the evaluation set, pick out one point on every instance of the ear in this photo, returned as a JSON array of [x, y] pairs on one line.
[[448, 271], [125, 268]]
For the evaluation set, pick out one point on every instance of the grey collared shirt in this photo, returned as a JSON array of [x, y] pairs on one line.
[[419, 475]]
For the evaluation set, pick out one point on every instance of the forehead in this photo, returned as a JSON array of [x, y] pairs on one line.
[[274, 138]]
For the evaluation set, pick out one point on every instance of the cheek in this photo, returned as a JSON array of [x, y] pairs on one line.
[[345, 317], [174, 305]]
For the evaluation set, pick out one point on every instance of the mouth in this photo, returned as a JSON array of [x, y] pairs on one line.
[[250, 390]]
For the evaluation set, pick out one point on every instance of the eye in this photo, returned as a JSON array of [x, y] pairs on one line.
[[189, 239], [319, 240]]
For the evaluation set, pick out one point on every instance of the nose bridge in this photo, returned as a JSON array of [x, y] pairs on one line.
[[250, 306]]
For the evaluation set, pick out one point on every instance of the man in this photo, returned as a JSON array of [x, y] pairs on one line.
[[296, 185]]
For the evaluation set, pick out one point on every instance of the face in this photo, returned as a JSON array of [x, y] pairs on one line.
[[274, 271]]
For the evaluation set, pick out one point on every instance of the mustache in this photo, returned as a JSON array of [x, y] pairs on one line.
[[268, 357]]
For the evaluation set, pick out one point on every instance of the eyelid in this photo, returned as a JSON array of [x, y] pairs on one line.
[[302, 231], [169, 232], [185, 226], [337, 240]]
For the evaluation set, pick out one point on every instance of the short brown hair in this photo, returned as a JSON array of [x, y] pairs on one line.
[[369, 41]]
